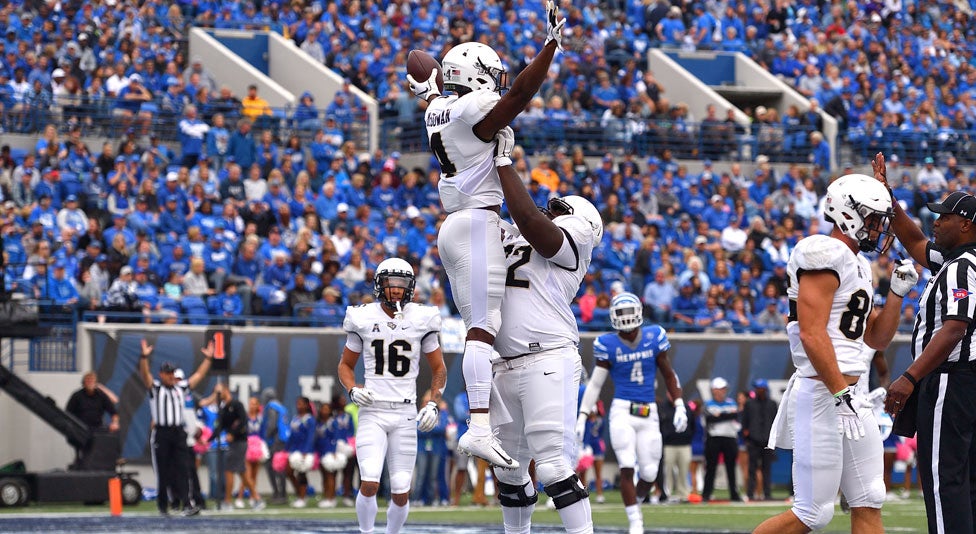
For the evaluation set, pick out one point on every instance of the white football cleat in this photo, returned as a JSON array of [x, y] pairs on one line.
[[487, 447], [636, 528]]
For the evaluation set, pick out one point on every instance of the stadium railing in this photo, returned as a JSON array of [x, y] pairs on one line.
[[697, 140], [101, 117]]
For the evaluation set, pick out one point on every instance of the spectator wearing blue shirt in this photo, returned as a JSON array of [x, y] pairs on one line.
[[60, 287], [218, 141], [383, 197], [171, 220], [306, 116], [819, 151], [693, 200], [228, 303], [718, 214], [193, 133], [671, 29], [685, 307], [242, 146]]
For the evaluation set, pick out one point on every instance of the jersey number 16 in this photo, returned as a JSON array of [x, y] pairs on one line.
[[397, 362]]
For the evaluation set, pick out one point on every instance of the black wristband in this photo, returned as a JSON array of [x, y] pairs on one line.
[[908, 376]]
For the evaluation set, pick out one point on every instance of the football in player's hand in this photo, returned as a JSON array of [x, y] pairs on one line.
[[420, 64]]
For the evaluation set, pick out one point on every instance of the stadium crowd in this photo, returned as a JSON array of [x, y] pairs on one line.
[[249, 218]]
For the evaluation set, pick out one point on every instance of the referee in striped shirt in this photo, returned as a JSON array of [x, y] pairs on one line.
[[943, 350], [168, 440]]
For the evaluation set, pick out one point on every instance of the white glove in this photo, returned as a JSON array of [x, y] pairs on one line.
[[903, 278], [848, 419], [361, 396], [425, 89], [680, 416], [554, 27], [581, 426], [427, 418], [504, 144]]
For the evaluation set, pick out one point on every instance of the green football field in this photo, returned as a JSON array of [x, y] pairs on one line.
[[899, 516]]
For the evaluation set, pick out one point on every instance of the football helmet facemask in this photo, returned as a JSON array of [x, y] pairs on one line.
[[861, 206], [394, 273], [473, 67], [626, 312]]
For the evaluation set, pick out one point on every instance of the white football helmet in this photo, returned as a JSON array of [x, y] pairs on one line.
[[576, 205], [388, 270], [851, 200], [473, 67], [626, 312]]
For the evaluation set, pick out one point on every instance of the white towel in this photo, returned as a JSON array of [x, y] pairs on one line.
[[780, 435]]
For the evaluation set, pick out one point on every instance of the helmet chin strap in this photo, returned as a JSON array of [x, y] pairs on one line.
[[399, 310]]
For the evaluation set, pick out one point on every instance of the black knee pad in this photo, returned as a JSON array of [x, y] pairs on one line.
[[514, 496], [566, 492]]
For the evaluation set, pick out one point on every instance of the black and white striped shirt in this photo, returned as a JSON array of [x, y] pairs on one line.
[[166, 404], [949, 295]]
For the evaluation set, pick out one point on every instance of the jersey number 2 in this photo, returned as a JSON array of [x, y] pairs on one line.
[[398, 363], [437, 145], [852, 321], [524, 253]]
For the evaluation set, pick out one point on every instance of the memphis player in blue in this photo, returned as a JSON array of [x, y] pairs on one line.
[[632, 356]]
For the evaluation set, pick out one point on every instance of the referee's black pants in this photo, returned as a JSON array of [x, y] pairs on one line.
[[728, 448], [169, 454], [946, 424]]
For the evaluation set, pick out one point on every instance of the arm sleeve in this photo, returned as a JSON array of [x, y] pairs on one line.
[[593, 387], [935, 257]]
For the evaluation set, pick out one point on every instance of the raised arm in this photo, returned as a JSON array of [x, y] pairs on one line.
[[544, 236], [905, 229], [204, 367], [144, 373], [527, 83]]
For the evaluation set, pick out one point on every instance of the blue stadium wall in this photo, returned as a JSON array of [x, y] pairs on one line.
[[304, 361]]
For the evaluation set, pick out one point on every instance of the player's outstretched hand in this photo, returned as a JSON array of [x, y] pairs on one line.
[[880, 169], [554, 24], [424, 89], [361, 396], [427, 418], [848, 419], [904, 277], [581, 427], [504, 145], [680, 420]]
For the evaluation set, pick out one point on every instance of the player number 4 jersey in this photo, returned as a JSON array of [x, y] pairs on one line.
[[468, 175], [849, 310], [633, 367], [536, 314], [391, 348]]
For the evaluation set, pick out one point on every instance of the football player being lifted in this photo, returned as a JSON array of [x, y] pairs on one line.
[[537, 372], [461, 126], [632, 356], [823, 417], [394, 332]]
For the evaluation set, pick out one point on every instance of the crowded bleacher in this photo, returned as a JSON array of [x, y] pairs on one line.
[[209, 206]]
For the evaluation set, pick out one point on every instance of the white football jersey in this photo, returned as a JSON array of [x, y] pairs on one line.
[[850, 309], [538, 292], [468, 175], [391, 348]]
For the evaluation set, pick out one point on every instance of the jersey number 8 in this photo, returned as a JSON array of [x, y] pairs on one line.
[[852, 321], [398, 363]]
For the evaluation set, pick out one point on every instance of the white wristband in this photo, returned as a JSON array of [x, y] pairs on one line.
[[503, 161], [679, 402]]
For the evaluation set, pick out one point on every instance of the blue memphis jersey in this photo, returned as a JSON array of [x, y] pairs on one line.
[[632, 368]]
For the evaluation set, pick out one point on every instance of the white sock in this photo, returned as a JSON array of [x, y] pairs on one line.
[[480, 422], [518, 520], [476, 368], [634, 514], [366, 513], [396, 517], [576, 517]]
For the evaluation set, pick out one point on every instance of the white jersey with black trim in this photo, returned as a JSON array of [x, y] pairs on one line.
[[391, 347], [849, 310], [536, 314], [468, 175]]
